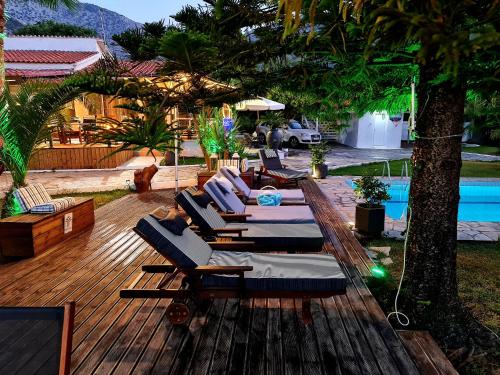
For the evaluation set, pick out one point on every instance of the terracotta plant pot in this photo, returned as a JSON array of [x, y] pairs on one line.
[[370, 219], [320, 171], [169, 158]]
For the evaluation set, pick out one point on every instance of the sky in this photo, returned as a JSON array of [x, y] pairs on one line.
[[144, 10]]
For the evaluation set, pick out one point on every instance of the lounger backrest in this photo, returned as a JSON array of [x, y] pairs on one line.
[[236, 180], [227, 201], [31, 196], [206, 218], [270, 159], [185, 251]]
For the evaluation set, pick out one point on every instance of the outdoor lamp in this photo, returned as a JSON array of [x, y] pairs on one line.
[[213, 161]]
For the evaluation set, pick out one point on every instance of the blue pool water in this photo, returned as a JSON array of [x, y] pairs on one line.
[[479, 201]]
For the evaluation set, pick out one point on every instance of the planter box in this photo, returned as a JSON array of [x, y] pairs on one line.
[[370, 220], [320, 171], [28, 235]]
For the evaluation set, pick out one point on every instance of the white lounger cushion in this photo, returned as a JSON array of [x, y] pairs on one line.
[[301, 237], [280, 272], [280, 214]]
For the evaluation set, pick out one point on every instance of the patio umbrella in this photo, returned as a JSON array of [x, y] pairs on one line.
[[259, 104]]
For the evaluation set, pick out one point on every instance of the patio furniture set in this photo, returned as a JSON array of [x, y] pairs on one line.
[[230, 252]]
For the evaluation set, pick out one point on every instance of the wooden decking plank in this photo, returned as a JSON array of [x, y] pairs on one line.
[[326, 349], [63, 287], [180, 339], [199, 363], [237, 360], [291, 351], [88, 352], [309, 351], [223, 344], [274, 345], [256, 351]]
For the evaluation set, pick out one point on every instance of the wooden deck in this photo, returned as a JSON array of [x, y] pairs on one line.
[[350, 334]]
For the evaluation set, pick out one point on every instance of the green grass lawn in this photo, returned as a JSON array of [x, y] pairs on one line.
[[478, 278], [100, 198], [469, 169], [489, 150]]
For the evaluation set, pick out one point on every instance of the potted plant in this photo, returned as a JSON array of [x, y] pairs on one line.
[[370, 215], [274, 137], [318, 153]]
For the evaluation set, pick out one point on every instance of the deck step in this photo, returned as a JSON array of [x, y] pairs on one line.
[[428, 356]]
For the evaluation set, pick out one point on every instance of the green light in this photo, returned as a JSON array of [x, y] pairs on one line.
[[378, 272]]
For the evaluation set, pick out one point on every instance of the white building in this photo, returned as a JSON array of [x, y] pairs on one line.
[[375, 130]]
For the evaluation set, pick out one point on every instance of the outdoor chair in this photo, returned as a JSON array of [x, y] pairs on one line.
[[209, 274], [276, 236], [288, 196], [36, 340], [220, 189], [272, 167]]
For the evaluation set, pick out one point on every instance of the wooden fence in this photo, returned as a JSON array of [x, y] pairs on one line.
[[78, 157]]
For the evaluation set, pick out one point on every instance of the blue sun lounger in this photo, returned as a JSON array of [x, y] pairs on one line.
[[211, 273], [276, 236], [221, 192]]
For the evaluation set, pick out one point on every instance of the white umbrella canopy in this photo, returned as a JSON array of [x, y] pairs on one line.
[[259, 104]]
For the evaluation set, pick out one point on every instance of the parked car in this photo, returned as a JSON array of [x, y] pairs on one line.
[[294, 133]]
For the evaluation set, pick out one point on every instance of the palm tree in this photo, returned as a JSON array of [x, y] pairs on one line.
[[48, 3], [25, 119]]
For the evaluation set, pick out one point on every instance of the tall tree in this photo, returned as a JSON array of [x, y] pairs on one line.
[[453, 44], [49, 3]]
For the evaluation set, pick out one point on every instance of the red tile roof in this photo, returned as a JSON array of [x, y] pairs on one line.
[[32, 73], [141, 69], [46, 57]]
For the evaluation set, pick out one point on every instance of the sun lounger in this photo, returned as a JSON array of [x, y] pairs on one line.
[[276, 236], [272, 167], [211, 273], [36, 340], [288, 196], [220, 189]]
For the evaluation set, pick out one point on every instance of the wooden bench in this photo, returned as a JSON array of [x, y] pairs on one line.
[[28, 235]]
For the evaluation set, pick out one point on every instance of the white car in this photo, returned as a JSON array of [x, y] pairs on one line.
[[293, 133]]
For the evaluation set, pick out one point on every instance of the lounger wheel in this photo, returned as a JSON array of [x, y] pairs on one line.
[[178, 313]]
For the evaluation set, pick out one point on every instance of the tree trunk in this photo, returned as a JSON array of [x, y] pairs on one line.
[[430, 279]]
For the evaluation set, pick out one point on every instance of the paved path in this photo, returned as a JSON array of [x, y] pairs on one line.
[[342, 197], [343, 156], [61, 182]]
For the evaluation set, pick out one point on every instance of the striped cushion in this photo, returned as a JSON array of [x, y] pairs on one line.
[[280, 272], [54, 205], [270, 159], [206, 218], [186, 251], [287, 173], [31, 196]]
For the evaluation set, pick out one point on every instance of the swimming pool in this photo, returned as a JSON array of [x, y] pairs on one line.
[[479, 201]]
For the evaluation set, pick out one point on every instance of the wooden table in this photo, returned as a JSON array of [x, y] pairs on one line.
[[247, 176]]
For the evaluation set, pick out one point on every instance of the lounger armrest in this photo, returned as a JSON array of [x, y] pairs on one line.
[[220, 270], [235, 217], [231, 245]]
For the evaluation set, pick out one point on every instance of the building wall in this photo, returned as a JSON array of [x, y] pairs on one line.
[[47, 43]]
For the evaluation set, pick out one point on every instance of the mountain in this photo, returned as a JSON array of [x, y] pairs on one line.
[[87, 15]]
